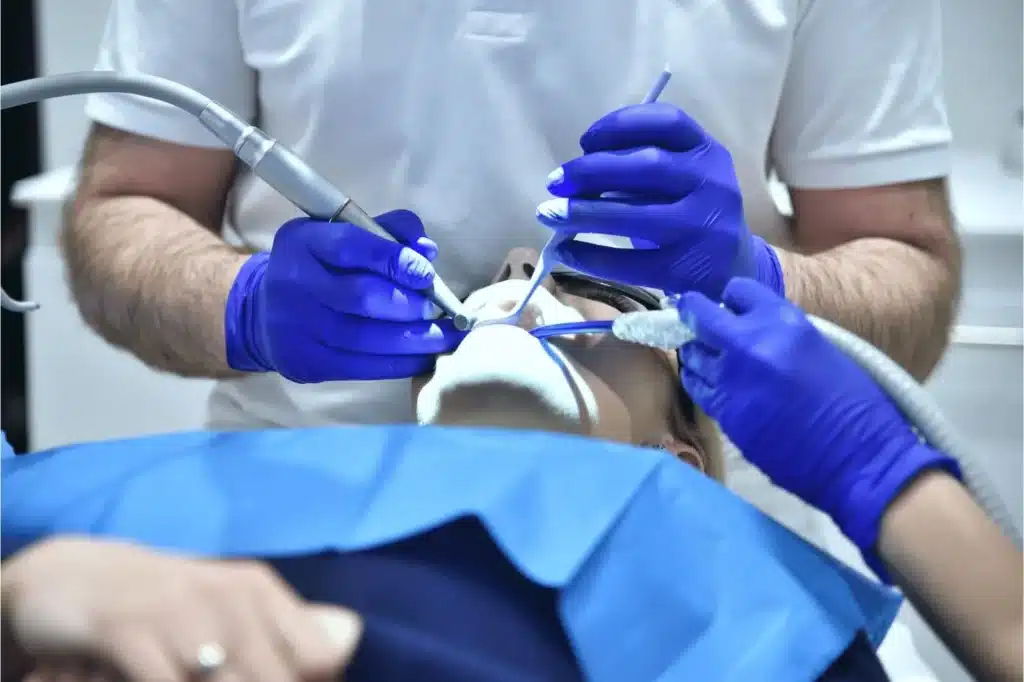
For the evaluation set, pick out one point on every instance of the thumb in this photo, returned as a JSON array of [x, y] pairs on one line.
[[407, 228], [712, 324], [744, 295], [344, 629]]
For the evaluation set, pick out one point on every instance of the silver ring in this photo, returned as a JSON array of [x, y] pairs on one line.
[[210, 658]]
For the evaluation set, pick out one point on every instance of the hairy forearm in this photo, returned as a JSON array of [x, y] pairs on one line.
[[150, 279], [900, 298], [960, 572]]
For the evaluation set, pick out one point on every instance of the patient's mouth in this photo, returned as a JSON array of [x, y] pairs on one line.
[[494, 303]]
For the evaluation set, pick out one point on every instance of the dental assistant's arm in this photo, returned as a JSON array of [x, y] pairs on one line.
[[840, 444], [145, 262], [864, 148], [963, 575]]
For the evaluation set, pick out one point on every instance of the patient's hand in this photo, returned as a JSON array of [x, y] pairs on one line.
[[78, 607]]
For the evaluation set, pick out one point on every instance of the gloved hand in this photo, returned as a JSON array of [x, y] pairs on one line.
[[331, 302], [684, 212], [800, 410]]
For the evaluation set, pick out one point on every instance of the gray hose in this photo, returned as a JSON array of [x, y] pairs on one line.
[[87, 82], [663, 329], [921, 410]]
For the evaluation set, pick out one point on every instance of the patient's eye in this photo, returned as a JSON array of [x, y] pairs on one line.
[[616, 299], [621, 302]]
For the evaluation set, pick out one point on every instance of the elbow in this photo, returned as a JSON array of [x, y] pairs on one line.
[[945, 263]]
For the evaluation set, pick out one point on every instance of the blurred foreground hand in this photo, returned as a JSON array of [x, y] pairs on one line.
[[81, 609]]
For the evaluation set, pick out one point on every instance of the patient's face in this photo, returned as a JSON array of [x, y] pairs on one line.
[[594, 385]]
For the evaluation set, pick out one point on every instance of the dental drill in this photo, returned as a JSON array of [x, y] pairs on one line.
[[270, 160], [665, 330]]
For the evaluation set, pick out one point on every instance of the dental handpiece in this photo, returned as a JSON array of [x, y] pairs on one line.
[[268, 159]]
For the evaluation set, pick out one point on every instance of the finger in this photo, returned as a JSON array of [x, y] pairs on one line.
[[364, 294], [426, 247], [403, 225], [142, 655], [657, 124], [651, 221], [309, 648], [701, 392], [235, 594], [356, 334], [344, 628], [257, 655], [647, 171], [702, 360], [744, 295], [712, 324], [320, 640], [347, 247], [639, 267]]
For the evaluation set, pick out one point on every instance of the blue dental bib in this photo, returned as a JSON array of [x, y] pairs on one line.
[[657, 572]]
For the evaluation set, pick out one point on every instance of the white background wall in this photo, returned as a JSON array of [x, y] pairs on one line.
[[67, 38], [984, 47], [984, 77]]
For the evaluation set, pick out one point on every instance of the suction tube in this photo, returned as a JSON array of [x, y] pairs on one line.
[[663, 329]]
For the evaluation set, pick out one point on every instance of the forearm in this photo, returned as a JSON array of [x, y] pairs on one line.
[[900, 298], [961, 573], [150, 279]]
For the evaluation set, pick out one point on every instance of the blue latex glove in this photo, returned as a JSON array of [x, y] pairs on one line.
[[331, 302], [684, 212], [799, 409]]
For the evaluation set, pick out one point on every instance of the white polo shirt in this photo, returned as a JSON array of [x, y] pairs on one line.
[[459, 109]]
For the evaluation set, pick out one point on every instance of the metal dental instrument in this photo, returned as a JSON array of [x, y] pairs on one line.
[[547, 258], [270, 160]]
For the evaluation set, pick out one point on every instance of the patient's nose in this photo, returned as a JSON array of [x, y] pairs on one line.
[[520, 263]]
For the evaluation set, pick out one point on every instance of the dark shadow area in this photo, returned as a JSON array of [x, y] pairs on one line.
[[19, 159]]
